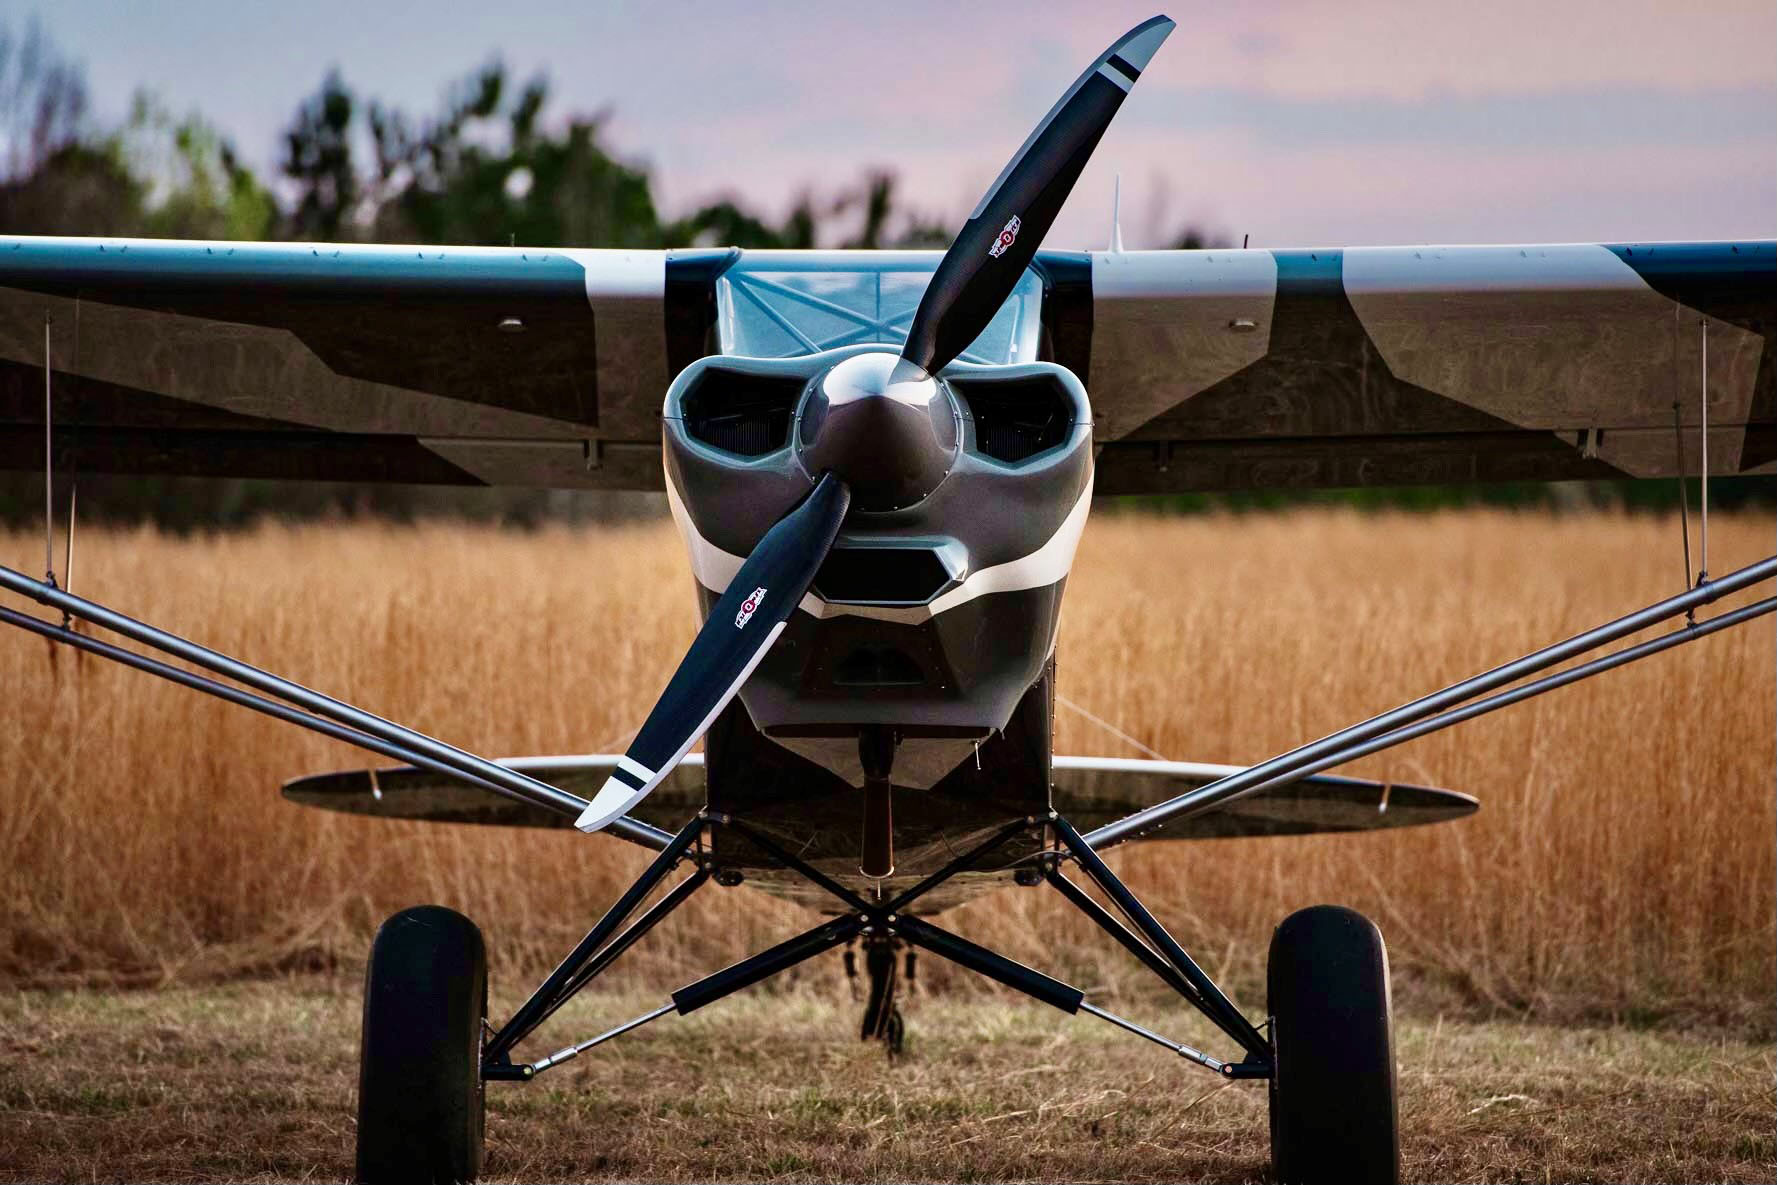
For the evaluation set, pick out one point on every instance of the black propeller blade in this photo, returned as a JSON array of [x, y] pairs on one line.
[[1001, 237], [745, 621]]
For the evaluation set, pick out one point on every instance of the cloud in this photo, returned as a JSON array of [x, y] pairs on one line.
[[1606, 115]]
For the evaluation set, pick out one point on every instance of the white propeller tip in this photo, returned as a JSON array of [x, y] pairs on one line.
[[608, 805], [1139, 48]]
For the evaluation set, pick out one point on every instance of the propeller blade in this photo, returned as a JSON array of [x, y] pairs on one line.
[[741, 627], [1001, 237]]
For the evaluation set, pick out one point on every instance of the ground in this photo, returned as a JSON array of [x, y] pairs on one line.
[[255, 1081]]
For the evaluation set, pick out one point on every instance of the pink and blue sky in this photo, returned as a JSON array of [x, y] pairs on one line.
[[1300, 123]]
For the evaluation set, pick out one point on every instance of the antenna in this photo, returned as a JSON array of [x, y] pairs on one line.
[[1117, 215]]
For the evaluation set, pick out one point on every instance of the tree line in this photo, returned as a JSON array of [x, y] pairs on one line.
[[493, 165]]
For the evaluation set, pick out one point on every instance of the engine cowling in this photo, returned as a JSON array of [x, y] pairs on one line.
[[937, 608]]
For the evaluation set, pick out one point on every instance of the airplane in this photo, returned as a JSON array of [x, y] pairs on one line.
[[880, 463]]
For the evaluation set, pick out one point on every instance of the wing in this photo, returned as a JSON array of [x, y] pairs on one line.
[[1253, 369], [1208, 370], [404, 792], [449, 365], [1091, 791]]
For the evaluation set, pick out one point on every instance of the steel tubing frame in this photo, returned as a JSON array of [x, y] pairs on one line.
[[566, 979], [1209, 999]]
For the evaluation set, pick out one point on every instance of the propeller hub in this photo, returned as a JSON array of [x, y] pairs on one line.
[[883, 426]]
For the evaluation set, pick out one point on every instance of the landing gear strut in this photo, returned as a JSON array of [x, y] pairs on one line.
[[882, 1010], [1328, 1052], [876, 753]]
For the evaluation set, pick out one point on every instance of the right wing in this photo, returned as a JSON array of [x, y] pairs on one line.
[[404, 792], [447, 365]]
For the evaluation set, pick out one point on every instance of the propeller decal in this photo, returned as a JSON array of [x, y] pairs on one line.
[[727, 649], [1001, 237]]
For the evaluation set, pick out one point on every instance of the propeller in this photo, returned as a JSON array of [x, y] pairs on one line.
[[862, 432], [742, 625], [1001, 237]]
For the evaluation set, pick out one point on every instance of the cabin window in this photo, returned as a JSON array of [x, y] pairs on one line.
[[773, 304]]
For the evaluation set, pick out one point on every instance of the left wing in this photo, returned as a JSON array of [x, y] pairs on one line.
[[1259, 369]]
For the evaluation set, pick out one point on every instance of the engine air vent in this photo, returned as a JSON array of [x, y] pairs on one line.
[[882, 575], [748, 415], [877, 666], [1016, 419]]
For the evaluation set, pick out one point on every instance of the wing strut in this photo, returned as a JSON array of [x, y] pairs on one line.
[[342, 721], [1430, 713]]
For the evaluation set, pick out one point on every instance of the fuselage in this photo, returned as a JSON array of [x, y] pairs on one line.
[[933, 620]]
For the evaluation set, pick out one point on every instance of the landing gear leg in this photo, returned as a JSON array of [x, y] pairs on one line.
[[882, 1012], [876, 752]]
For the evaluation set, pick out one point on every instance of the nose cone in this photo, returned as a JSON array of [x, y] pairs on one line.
[[888, 431]]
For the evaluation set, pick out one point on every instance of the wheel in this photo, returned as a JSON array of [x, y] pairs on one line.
[[1332, 1088], [420, 1107]]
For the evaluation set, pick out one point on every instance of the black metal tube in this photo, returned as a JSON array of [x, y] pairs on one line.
[[796, 864], [997, 967], [609, 953], [527, 788], [765, 964], [235, 695], [955, 866], [1248, 780], [629, 829], [548, 995], [1689, 632], [1108, 922], [1211, 1000]]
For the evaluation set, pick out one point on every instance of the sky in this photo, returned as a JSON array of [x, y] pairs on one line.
[[1338, 123]]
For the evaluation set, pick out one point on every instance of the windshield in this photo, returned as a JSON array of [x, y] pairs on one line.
[[785, 305]]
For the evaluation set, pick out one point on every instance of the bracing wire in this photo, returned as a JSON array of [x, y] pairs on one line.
[[49, 509], [1071, 706], [1684, 494], [1703, 571]]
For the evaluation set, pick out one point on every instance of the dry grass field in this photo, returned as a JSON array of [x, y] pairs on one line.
[[1621, 864], [1620, 871]]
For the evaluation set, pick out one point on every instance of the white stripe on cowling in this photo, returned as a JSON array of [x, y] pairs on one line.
[[715, 568]]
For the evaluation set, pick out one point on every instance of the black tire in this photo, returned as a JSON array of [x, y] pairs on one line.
[[420, 1105], [1333, 1114]]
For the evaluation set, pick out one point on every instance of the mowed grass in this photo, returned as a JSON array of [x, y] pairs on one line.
[[1621, 866], [256, 1081]]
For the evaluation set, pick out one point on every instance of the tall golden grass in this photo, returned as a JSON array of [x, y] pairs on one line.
[[1622, 861]]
